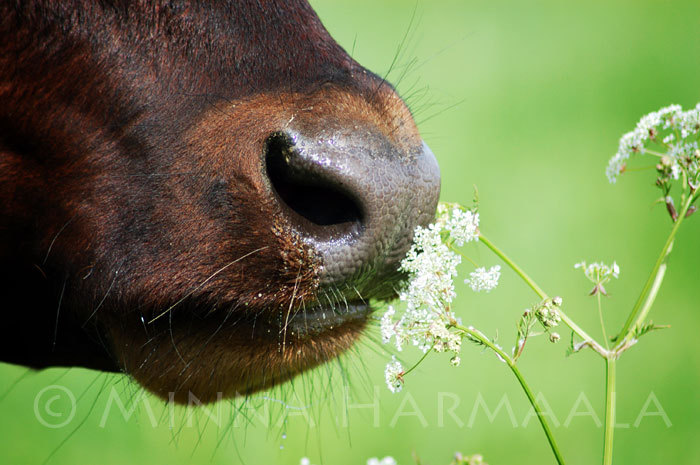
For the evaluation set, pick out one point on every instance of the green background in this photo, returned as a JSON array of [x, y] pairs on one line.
[[527, 100]]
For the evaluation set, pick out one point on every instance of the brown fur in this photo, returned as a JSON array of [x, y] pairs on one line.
[[136, 229]]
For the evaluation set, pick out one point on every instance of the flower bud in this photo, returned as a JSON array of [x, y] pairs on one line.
[[554, 338], [671, 208], [557, 301]]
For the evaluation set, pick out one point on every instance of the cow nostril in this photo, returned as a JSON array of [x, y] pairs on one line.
[[304, 190]]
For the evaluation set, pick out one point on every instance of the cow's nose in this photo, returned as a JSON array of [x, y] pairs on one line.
[[355, 197]]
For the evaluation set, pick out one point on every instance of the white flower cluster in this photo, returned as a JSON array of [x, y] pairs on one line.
[[371, 461], [599, 272], [482, 280], [547, 312], [462, 225], [385, 461], [475, 459], [393, 375], [431, 266], [671, 119]]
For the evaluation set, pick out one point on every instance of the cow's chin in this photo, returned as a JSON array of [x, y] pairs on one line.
[[213, 357]]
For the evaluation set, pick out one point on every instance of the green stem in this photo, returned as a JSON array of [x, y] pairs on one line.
[[418, 362], [530, 282], [655, 153], [651, 298], [457, 251], [543, 295], [602, 322], [545, 426], [632, 320], [610, 397], [526, 388], [630, 338]]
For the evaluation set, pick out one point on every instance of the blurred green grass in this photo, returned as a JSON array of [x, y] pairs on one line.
[[527, 101]]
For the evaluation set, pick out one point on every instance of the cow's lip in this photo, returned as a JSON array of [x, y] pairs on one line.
[[323, 318]]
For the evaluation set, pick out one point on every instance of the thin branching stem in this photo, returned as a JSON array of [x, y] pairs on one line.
[[636, 318], [602, 321], [479, 336], [418, 362], [588, 340], [646, 298]]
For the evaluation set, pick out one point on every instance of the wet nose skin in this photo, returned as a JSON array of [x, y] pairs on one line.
[[354, 196]]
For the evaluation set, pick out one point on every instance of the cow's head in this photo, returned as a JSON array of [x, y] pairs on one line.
[[206, 196]]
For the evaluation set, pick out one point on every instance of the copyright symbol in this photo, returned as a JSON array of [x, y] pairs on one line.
[[49, 407]]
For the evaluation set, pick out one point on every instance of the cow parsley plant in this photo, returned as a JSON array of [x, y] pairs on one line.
[[425, 317]]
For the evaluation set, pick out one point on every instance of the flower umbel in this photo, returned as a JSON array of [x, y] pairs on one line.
[[475, 459], [393, 375], [658, 127], [599, 273], [463, 226], [385, 461], [431, 264], [670, 135], [547, 312], [482, 280]]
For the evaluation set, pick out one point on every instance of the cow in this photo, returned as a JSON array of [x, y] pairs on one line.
[[208, 196]]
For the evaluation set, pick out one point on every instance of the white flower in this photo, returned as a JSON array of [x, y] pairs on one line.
[[648, 123], [305, 461], [463, 226], [599, 273], [387, 324], [689, 122], [441, 339], [393, 374], [393, 329], [676, 171], [482, 280], [385, 461], [616, 166], [670, 115], [432, 267], [669, 120]]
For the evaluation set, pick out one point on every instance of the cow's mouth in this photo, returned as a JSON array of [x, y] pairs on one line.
[[317, 319], [215, 355]]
